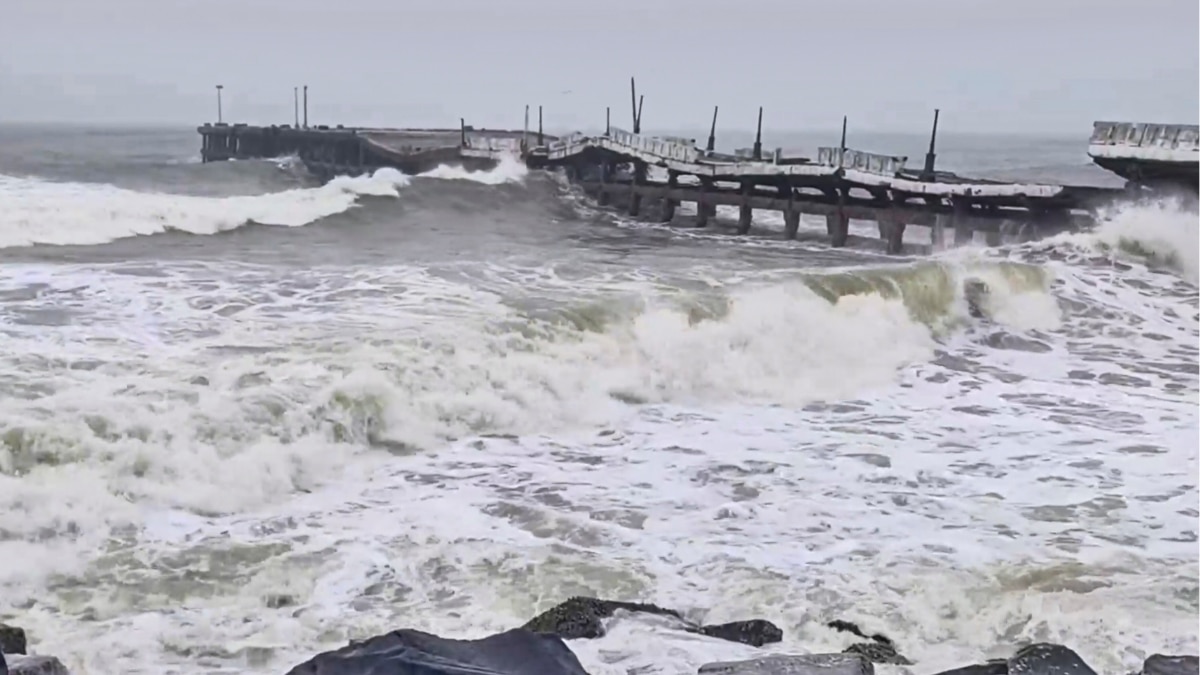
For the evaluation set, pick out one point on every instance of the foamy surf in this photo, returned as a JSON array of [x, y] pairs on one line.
[[212, 466]]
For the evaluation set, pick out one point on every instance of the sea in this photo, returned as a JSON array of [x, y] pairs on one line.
[[246, 417]]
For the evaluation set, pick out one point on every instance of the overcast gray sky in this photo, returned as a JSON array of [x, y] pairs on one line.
[[1048, 66]]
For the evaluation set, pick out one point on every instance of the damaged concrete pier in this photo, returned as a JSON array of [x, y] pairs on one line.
[[650, 177], [840, 184]]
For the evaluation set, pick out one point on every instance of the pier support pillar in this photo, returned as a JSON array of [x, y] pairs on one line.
[[837, 224], [964, 232], [791, 222], [606, 172], [745, 211], [635, 191], [891, 230], [993, 238], [791, 214], [937, 234], [669, 203], [704, 210]]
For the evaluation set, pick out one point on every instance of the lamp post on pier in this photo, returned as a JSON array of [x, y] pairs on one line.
[[220, 117]]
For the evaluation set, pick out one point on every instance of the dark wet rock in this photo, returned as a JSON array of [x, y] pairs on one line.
[[994, 667], [880, 649], [755, 632], [34, 665], [279, 600], [1047, 659], [1036, 659], [411, 652], [806, 664], [580, 617], [1160, 664], [876, 652], [12, 640]]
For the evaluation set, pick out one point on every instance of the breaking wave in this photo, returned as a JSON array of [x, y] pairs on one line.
[[293, 396], [38, 212], [1163, 234]]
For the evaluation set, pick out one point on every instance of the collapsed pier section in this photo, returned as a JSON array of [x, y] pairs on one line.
[[1163, 156]]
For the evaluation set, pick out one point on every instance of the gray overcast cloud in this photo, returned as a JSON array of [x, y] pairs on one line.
[[1049, 66]]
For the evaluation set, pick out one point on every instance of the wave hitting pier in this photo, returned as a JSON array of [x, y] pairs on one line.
[[618, 169], [332, 151]]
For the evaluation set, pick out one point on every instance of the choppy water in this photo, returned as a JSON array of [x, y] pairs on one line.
[[448, 401]]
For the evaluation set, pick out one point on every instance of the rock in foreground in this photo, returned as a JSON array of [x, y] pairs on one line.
[[1036, 659], [581, 617], [1159, 664], [807, 664], [34, 665], [12, 640], [411, 652]]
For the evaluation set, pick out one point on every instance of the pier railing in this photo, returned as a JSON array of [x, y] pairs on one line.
[[1139, 140], [662, 147], [857, 160]]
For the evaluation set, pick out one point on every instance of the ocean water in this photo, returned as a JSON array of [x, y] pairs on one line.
[[245, 417]]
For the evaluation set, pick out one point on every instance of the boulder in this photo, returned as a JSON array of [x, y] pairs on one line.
[[1035, 659], [1160, 664], [880, 649], [34, 665], [412, 652], [580, 617], [878, 652], [755, 632], [805, 664], [12, 640], [995, 667], [1047, 659]]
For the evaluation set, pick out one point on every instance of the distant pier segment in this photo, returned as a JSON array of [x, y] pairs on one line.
[[332, 151], [1148, 154]]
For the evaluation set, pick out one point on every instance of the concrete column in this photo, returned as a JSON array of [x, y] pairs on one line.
[[745, 212], [791, 214], [606, 171], [669, 203], [791, 222], [635, 195], [891, 229], [704, 210], [937, 235], [837, 224], [964, 231]]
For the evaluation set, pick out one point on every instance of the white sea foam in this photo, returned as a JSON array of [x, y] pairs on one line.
[[179, 443], [1162, 233]]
